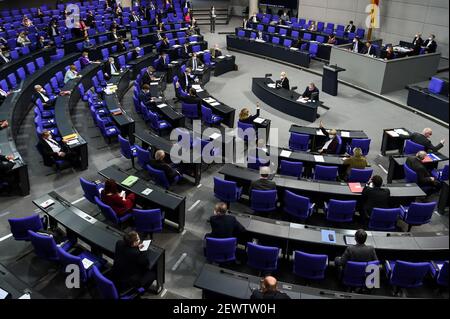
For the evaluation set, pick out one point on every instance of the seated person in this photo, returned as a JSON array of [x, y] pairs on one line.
[[245, 23], [53, 150], [71, 74], [84, 59], [268, 290], [164, 44], [120, 203], [245, 117], [424, 139], [311, 90], [3, 58], [430, 44], [114, 35], [331, 145], [284, 18], [216, 52], [357, 45], [3, 95], [47, 101], [6, 165], [42, 43], [374, 196], [131, 268], [357, 161], [369, 49], [283, 82], [263, 184], [148, 76], [159, 164], [162, 63], [110, 68], [192, 98], [145, 96], [224, 225], [417, 43], [186, 79], [23, 40], [389, 54], [350, 28], [357, 253], [184, 52], [332, 39], [424, 177], [87, 43], [260, 36], [312, 26], [194, 62], [121, 45]]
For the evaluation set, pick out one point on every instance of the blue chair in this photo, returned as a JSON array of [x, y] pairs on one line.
[[340, 211], [108, 131], [441, 174], [439, 272], [417, 214], [320, 26], [263, 201], [297, 206], [209, 118], [411, 148], [354, 273], [108, 290], [143, 156], [295, 34], [246, 128], [410, 175], [313, 50], [402, 274], [128, 151], [256, 163], [360, 175], [276, 40], [21, 226], [310, 266], [148, 221], [220, 250], [325, 173], [384, 219], [320, 39], [66, 259], [31, 68], [307, 36], [360, 33], [12, 80], [227, 191], [157, 124], [21, 73], [45, 246], [363, 144], [159, 177], [436, 85], [299, 142], [262, 258], [241, 33], [190, 110], [283, 31], [271, 29], [287, 43], [289, 168], [90, 189], [110, 214]]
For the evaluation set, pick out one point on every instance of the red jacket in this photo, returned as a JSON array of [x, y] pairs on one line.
[[118, 204]]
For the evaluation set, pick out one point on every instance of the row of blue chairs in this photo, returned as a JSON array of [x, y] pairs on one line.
[[312, 267], [336, 211]]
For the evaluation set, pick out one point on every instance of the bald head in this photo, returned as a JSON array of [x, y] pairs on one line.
[[264, 171], [159, 155], [427, 132], [270, 283], [421, 155]]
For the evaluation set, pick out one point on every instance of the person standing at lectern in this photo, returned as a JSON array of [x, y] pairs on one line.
[[283, 82]]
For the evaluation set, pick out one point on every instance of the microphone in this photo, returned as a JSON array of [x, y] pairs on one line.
[[292, 91]]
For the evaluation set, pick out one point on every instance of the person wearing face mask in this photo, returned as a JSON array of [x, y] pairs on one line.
[[430, 44], [283, 82], [194, 63], [370, 50], [162, 63], [53, 150], [357, 46], [110, 68], [417, 43], [47, 101], [331, 145]]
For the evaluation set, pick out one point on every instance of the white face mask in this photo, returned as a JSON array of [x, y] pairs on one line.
[[430, 38]]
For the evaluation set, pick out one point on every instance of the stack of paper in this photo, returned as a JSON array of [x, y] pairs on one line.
[[401, 132], [145, 245], [392, 133], [197, 87], [294, 48], [73, 142], [302, 100], [160, 106], [209, 100], [259, 120], [319, 158], [345, 134], [147, 191], [285, 154], [215, 103], [271, 85]]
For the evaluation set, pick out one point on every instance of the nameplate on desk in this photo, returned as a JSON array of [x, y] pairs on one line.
[[319, 158], [154, 83], [73, 142], [271, 85], [345, 134], [293, 49], [296, 226], [401, 131], [215, 103], [259, 120], [160, 106], [47, 203], [215, 136], [147, 191], [392, 133], [285, 153]]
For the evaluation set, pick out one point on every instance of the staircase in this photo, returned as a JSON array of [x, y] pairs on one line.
[[202, 16]]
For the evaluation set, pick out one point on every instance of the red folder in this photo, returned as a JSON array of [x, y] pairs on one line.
[[355, 187], [427, 159]]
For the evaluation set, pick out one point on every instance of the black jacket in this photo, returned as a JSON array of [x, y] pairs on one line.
[[251, 118], [263, 185], [359, 253], [129, 263], [422, 140], [283, 83], [370, 50], [432, 47], [182, 81], [333, 146], [145, 97], [225, 226], [350, 28], [423, 175], [193, 100], [47, 152], [5, 165], [375, 197], [277, 295], [107, 68], [146, 78], [184, 52], [360, 46], [166, 168], [190, 63], [308, 93]]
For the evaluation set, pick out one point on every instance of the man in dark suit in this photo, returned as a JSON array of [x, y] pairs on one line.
[[417, 43], [283, 82], [224, 225], [263, 184], [424, 178], [148, 76], [53, 150], [162, 63], [424, 139], [6, 165], [194, 62], [373, 196], [110, 68], [47, 101], [430, 44], [357, 253], [357, 45], [369, 49], [192, 98], [310, 90], [159, 164], [268, 290], [145, 96], [184, 51], [350, 28], [131, 267], [134, 17], [136, 53], [90, 19], [186, 79]]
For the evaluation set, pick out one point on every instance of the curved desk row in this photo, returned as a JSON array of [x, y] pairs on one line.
[[284, 100], [268, 50], [427, 102], [396, 163], [13, 65], [389, 245], [318, 191]]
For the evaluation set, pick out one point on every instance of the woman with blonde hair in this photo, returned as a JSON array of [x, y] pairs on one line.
[[245, 117], [357, 160]]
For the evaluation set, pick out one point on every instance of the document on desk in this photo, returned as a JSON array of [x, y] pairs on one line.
[[271, 85], [345, 134], [176, 46], [215, 103], [221, 57], [259, 120], [24, 296], [294, 49], [401, 131], [197, 87], [87, 263], [154, 83], [215, 136], [130, 181], [302, 100], [147, 191], [73, 142], [319, 158], [392, 133], [160, 106], [285, 154], [145, 245], [209, 100]]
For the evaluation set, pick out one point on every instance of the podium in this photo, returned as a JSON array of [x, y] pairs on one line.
[[330, 79]]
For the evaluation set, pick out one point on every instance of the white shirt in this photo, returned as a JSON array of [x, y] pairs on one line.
[[113, 68], [325, 146], [3, 93], [54, 145], [356, 49], [44, 97]]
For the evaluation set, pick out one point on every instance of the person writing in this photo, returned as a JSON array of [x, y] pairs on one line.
[[424, 140], [145, 96], [224, 225], [374, 196], [332, 143], [268, 290], [120, 203], [370, 49], [357, 160], [283, 82], [311, 92]]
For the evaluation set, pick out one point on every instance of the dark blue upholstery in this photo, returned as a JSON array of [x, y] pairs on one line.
[[360, 175], [297, 206], [45, 246], [417, 213], [291, 168], [340, 210], [263, 201], [110, 214], [148, 221], [310, 266], [325, 173], [384, 219], [363, 144], [21, 226], [354, 274], [404, 274], [299, 142], [220, 250], [90, 189], [412, 148], [436, 85], [227, 191], [262, 258]]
